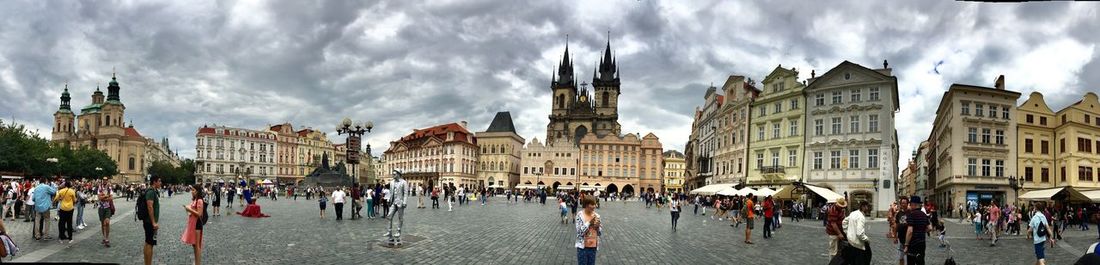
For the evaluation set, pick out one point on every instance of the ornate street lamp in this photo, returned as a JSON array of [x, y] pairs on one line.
[[355, 131], [1014, 183]]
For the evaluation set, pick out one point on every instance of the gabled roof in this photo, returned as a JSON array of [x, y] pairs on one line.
[[779, 70], [842, 66], [130, 131], [1035, 103], [502, 123]]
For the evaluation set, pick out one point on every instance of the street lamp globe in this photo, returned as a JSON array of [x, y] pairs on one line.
[[346, 122], [370, 124]]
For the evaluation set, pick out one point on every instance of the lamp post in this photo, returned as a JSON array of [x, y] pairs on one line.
[[1014, 183], [355, 131]]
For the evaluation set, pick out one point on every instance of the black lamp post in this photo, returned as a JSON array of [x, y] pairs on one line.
[[355, 133], [1014, 183]]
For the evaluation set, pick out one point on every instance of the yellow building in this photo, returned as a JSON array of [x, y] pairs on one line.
[[313, 145], [100, 126], [499, 159], [776, 133], [674, 166], [1035, 140]]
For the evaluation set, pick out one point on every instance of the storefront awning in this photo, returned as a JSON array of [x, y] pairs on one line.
[[591, 188], [1057, 194], [712, 189], [526, 186], [565, 187], [1094, 195], [787, 192]]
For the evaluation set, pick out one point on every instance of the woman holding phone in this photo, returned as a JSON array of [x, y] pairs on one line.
[[192, 234], [589, 230]]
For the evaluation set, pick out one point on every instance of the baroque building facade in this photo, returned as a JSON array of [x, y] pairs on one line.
[[1059, 148], [674, 171], [226, 154], [776, 136], [733, 127], [852, 146], [100, 125], [499, 157], [439, 155]]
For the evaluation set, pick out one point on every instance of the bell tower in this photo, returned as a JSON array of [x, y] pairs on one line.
[[605, 81], [63, 119], [563, 87]]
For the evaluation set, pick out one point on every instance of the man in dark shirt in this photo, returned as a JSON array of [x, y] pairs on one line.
[[901, 227], [918, 226]]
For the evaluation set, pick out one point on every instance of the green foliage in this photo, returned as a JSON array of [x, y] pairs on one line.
[[183, 174], [26, 153]]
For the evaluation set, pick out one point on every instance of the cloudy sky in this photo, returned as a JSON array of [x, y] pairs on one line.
[[405, 65]]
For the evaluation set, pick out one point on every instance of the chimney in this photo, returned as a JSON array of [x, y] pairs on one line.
[[463, 123], [1000, 83]]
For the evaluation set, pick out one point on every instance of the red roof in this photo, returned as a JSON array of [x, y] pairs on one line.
[[438, 130], [130, 131], [721, 99], [206, 130]]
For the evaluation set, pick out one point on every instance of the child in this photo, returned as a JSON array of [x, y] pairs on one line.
[[978, 224], [564, 209], [321, 201]]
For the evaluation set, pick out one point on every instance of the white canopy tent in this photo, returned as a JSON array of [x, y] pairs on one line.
[[565, 187], [1062, 193], [1094, 195], [712, 189], [787, 192], [731, 191], [764, 192], [526, 186]]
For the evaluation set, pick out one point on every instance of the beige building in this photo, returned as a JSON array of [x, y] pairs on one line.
[[442, 154], [705, 140], [499, 157], [549, 165], [228, 154], [907, 181], [100, 126], [286, 161], [733, 128], [1066, 143], [313, 146], [776, 139], [973, 140], [626, 164], [674, 171]]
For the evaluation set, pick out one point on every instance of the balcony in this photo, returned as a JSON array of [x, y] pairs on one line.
[[772, 170]]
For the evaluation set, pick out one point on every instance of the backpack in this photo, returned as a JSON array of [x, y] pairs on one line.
[[141, 210], [1042, 231]]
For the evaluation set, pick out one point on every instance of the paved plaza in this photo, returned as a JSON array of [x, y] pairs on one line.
[[498, 233]]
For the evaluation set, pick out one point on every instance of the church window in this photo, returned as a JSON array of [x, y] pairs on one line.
[[605, 99]]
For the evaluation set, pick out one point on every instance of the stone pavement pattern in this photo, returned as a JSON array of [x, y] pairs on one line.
[[499, 233]]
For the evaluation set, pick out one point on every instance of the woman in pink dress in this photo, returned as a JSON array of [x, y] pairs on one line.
[[192, 234]]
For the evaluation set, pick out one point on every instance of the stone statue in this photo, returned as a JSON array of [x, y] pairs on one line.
[[398, 196], [324, 161]]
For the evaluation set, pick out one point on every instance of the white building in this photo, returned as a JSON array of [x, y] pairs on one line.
[[852, 148], [226, 154]]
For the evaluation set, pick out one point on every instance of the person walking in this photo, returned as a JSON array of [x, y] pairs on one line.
[[321, 201], [150, 217], [674, 210], [1039, 231], [105, 208], [338, 198], [563, 208], [749, 216], [81, 201], [900, 227], [217, 198], [918, 226], [589, 230], [435, 198], [856, 233], [994, 220], [192, 233], [769, 216], [229, 194], [66, 200], [43, 200], [355, 202], [834, 217]]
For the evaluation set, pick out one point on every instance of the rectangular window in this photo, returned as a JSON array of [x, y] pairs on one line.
[[874, 94], [856, 93], [1063, 171], [1030, 118], [834, 159], [1027, 146], [759, 160], [1087, 118], [853, 158], [775, 158], [818, 127], [1062, 145], [775, 130], [817, 160], [1044, 147], [972, 167], [992, 111], [1029, 174], [979, 110], [1044, 174], [763, 110], [760, 133], [872, 158], [985, 167], [837, 97], [836, 126], [819, 100], [972, 135], [1042, 120], [778, 107], [792, 158], [985, 135], [854, 127], [794, 103], [1000, 137], [872, 123], [1004, 112], [966, 108], [1084, 173], [1000, 169], [794, 128]]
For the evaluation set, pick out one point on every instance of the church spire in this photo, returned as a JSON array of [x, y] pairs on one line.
[[607, 63], [565, 68], [65, 98], [112, 88]]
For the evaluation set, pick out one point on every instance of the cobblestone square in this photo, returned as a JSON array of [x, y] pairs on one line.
[[498, 233]]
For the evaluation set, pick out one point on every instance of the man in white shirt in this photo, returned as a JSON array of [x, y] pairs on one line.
[[856, 232], [338, 202]]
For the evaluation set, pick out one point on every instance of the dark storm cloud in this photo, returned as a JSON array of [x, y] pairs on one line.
[[408, 64]]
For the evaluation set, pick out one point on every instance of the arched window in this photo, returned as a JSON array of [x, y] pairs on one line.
[[107, 120], [131, 163], [561, 101], [605, 99]]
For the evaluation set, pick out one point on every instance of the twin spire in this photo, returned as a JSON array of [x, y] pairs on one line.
[[606, 69]]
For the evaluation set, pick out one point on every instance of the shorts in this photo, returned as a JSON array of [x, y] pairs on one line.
[[1040, 251], [749, 223], [322, 206], [150, 233], [217, 203], [901, 252], [104, 214]]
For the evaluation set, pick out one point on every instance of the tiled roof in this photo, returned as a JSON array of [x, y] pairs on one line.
[[502, 123], [130, 131]]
